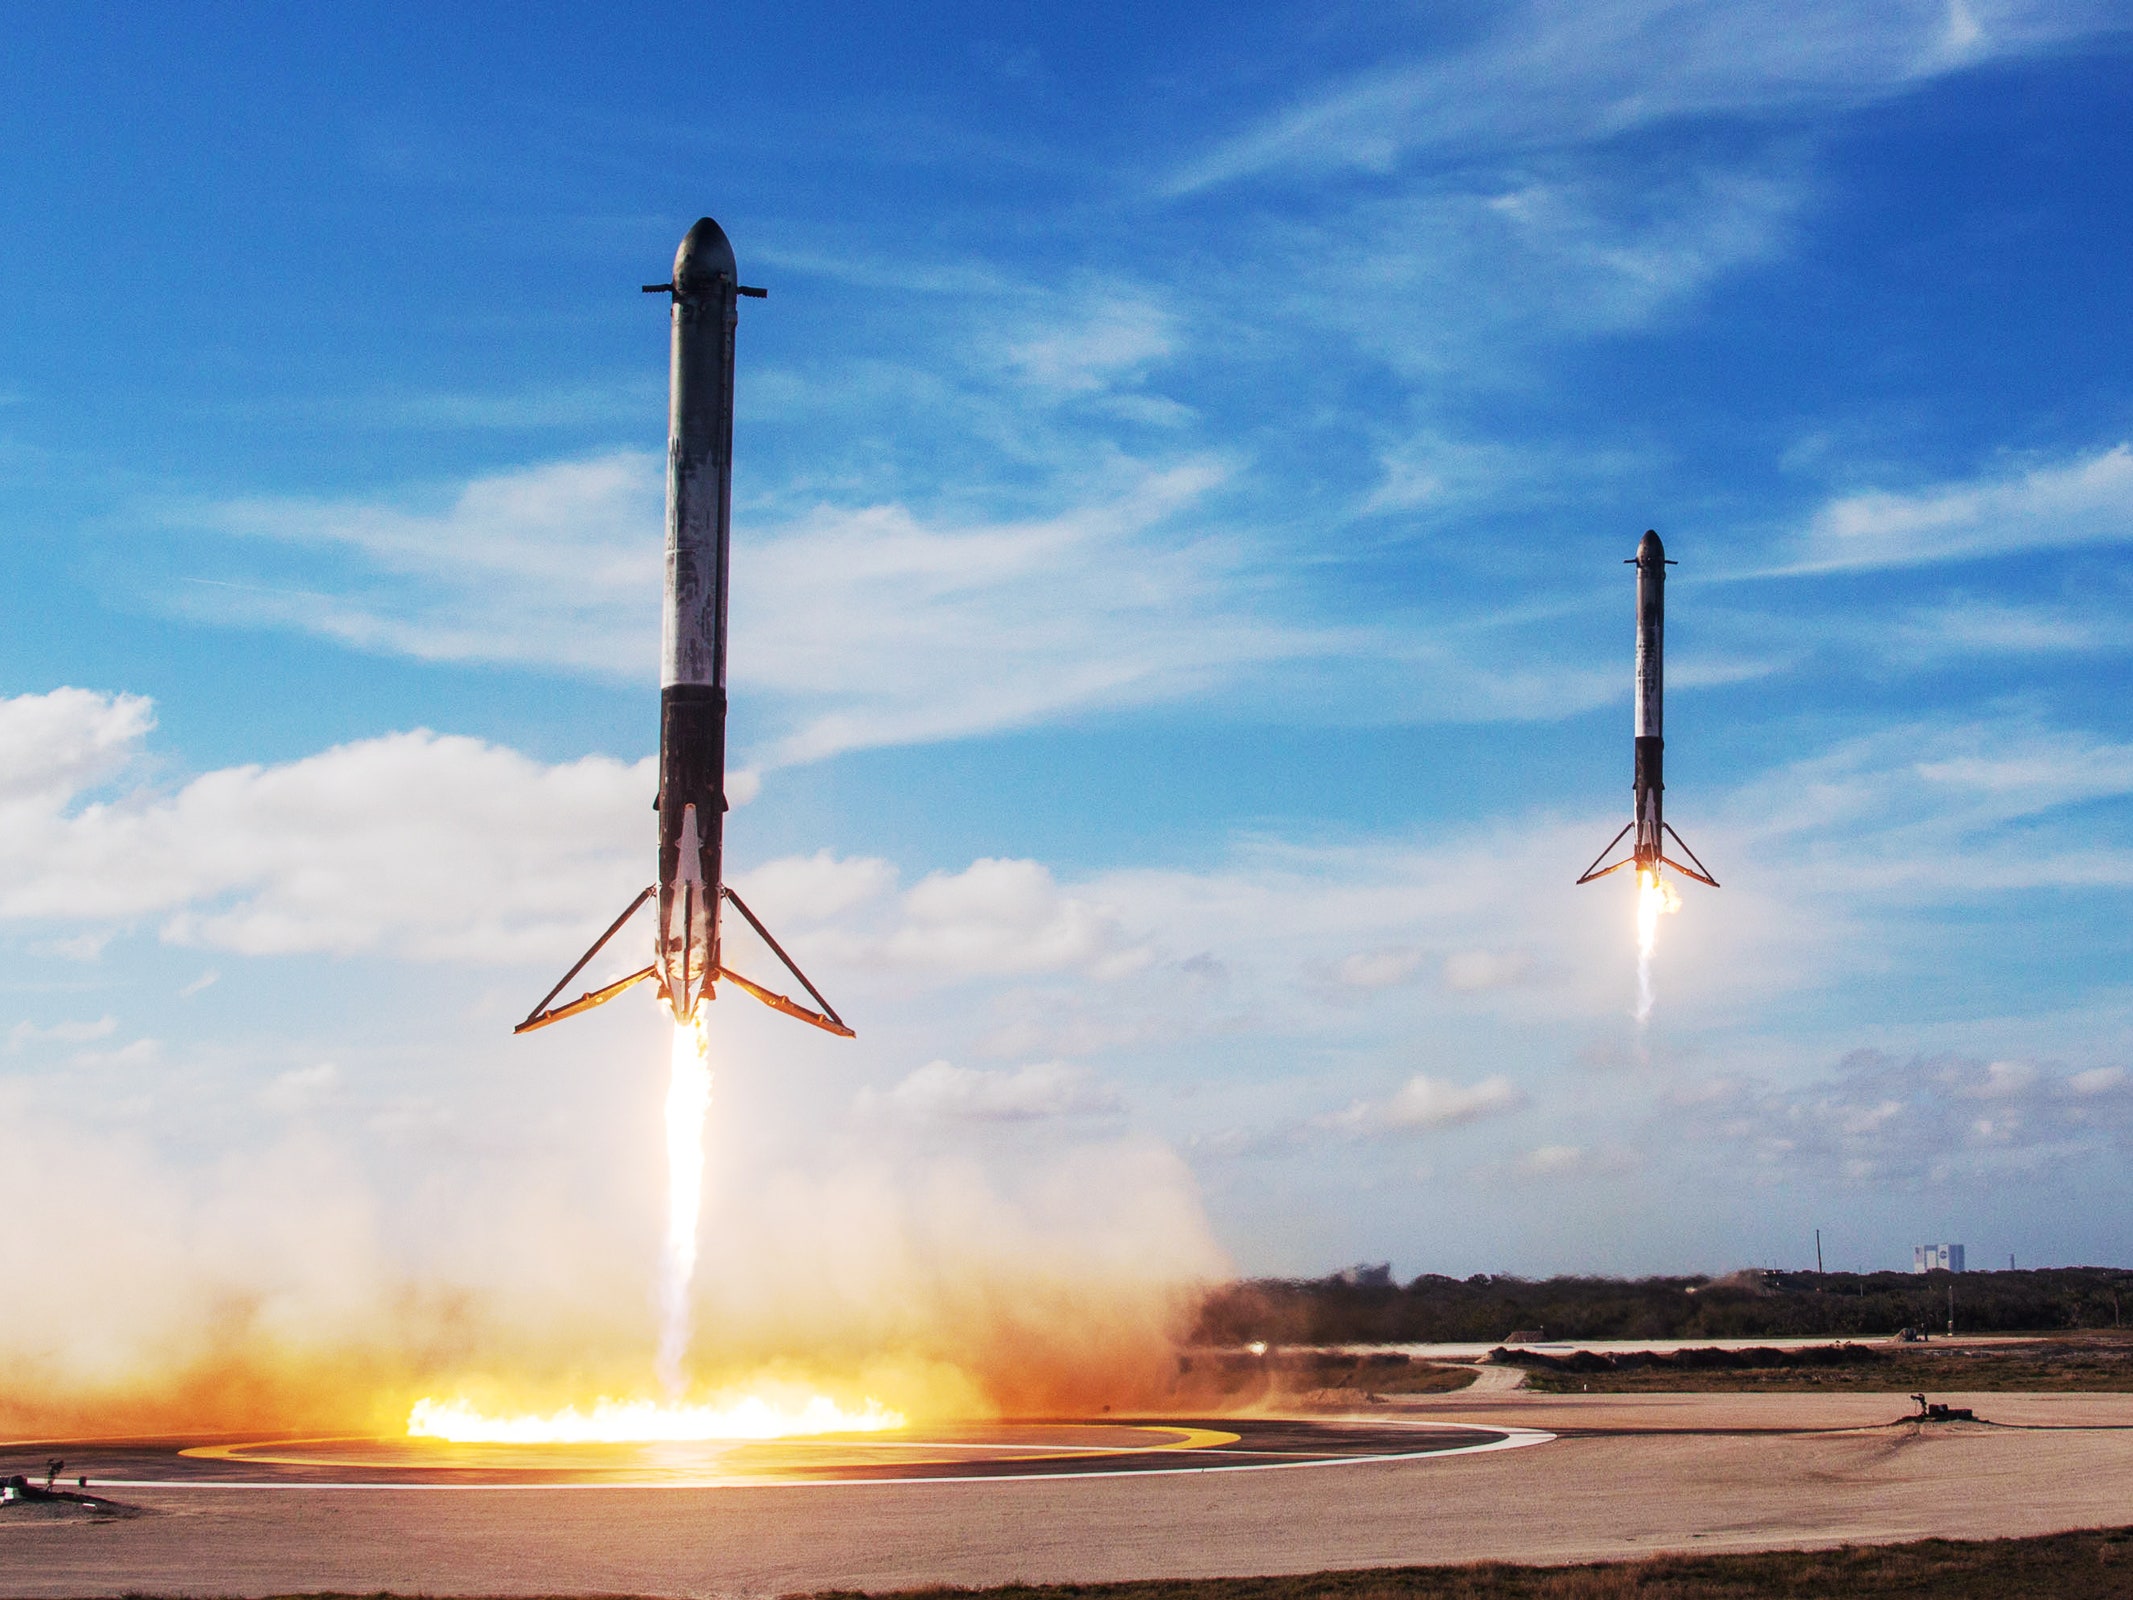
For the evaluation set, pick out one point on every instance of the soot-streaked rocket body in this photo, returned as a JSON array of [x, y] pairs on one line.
[[1648, 785], [687, 958]]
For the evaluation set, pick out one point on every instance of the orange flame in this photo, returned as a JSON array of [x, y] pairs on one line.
[[642, 1421]]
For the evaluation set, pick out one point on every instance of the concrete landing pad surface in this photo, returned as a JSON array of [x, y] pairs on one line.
[[1627, 1474]]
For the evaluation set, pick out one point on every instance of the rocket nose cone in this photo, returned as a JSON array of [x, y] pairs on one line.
[[1650, 552], [705, 254]]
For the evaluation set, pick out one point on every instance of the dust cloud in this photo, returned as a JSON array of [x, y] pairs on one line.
[[291, 1289]]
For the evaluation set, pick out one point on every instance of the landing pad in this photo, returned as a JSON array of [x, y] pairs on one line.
[[961, 1453]]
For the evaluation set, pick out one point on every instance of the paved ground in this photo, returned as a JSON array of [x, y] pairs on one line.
[[123, 1472], [1627, 1474]]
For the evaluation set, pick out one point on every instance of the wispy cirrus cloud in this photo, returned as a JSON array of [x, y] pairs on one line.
[[2041, 506], [1936, 810], [868, 626], [1554, 73], [556, 565], [860, 625]]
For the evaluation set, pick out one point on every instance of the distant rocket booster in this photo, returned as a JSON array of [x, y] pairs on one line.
[[687, 956], [1648, 785]]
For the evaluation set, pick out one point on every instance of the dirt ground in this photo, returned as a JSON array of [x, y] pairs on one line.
[[1627, 1475], [2093, 1565]]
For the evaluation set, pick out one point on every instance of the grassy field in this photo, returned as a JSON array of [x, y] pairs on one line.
[[2059, 1363], [2066, 1566]]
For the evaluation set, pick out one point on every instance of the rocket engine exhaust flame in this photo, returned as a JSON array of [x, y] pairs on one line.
[[645, 1421], [1654, 900], [688, 1103], [751, 1416]]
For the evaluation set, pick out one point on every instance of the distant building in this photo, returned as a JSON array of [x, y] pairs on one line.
[[1368, 1275], [1936, 1258]]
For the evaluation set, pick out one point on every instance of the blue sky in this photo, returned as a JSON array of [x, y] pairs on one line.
[[1182, 654]]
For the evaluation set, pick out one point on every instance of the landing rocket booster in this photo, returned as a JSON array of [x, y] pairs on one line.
[[1648, 786], [687, 952]]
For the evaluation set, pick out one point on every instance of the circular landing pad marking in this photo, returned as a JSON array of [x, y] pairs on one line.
[[965, 1453]]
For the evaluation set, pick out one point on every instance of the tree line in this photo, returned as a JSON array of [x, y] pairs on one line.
[[1745, 1305]]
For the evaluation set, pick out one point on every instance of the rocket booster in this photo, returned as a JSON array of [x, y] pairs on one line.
[[692, 655], [690, 888], [1647, 781]]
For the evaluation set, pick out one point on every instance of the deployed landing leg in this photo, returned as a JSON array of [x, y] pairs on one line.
[[547, 1012]]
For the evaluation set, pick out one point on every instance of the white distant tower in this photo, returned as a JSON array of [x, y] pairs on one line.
[[1936, 1258]]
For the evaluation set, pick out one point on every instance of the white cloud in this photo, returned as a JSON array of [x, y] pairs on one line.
[[1112, 337], [300, 1088], [2088, 500], [1974, 627], [858, 626], [425, 847], [1879, 1119], [1471, 970], [414, 843], [2003, 1081], [28, 1033], [82, 947], [556, 565], [140, 1053], [940, 1091], [816, 888], [1379, 969], [1561, 72], [1005, 917], [1551, 1161], [872, 627], [1456, 282], [1425, 1104], [1924, 810], [56, 746]]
